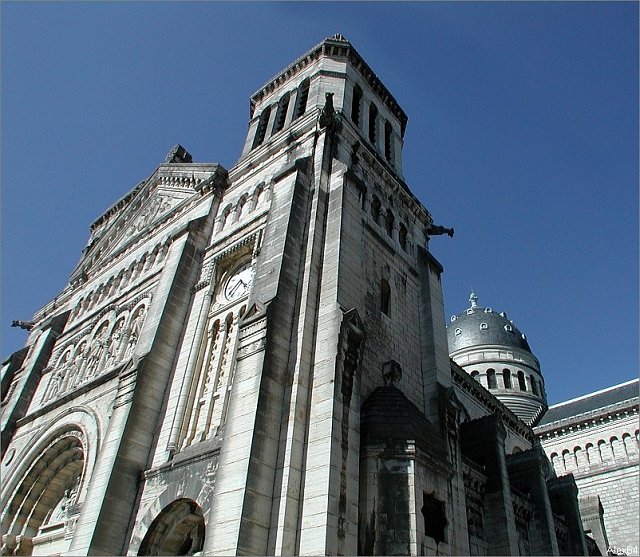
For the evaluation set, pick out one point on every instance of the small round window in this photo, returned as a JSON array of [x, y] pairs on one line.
[[483, 326], [458, 331], [508, 328]]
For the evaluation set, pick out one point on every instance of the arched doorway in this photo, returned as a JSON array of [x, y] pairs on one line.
[[44, 498], [177, 530]]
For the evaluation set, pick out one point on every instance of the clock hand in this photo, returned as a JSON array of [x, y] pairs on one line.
[[234, 288]]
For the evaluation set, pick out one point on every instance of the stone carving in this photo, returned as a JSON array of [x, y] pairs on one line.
[[159, 204], [89, 359], [96, 351], [27, 325], [391, 373], [134, 330], [114, 344], [350, 349]]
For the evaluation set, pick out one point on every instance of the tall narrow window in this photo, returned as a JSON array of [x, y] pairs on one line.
[[261, 132], [373, 122], [521, 382], [355, 104], [387, 141], [375, 208], [388, 223], [281, 114], [402, 236], [534, 386], [301, 100], [491, 379], [385, 297], [506, 376]]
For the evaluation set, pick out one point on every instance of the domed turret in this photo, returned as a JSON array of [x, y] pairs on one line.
[[490, 348]]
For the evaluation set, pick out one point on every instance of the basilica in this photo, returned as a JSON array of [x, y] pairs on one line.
[[256, 361]]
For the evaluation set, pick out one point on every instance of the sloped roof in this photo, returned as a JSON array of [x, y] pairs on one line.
[[592, 402]]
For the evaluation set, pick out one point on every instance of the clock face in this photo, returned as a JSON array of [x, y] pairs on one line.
[[238, 285]]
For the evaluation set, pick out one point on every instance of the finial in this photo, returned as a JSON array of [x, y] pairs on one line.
[[473, 299]]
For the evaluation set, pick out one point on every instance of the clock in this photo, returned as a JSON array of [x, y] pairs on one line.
[[238, 285]]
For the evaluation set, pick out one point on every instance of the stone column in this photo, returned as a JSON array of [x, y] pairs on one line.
[[593, 520], [28, 377], [563, 495], [483, 442], [527, 471], [434, 346]]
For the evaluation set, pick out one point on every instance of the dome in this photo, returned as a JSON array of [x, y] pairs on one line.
[[481, 326]]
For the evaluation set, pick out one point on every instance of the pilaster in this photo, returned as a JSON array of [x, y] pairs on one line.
[[28, 377], [104, 523]]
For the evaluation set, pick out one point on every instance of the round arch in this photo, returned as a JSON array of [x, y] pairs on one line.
[[45, 491], [178, 530]]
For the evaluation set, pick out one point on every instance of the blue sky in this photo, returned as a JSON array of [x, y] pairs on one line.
[[522, 135]]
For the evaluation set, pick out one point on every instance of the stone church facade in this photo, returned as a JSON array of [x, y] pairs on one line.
[[255, 361]]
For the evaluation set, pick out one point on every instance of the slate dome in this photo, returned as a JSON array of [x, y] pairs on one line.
[[482, 326]]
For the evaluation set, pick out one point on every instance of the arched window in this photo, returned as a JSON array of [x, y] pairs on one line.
[[566, 459], [577, 456], [387, 141], [628, 444], [534, 385], [388, 223], [375, 208], [402, 236], [281, 114], [50, 485], [385, 297], [301, 100], [605, 454], [474, 374], [178, 530], [616, 449], [521, 382], [491, 379], [506, 377], [590, 454], [261, 131], [356, 100], [373, 122], [224, 219], [243, 207]]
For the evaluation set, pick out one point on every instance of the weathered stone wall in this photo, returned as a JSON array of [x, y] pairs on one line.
[[602, 454]]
